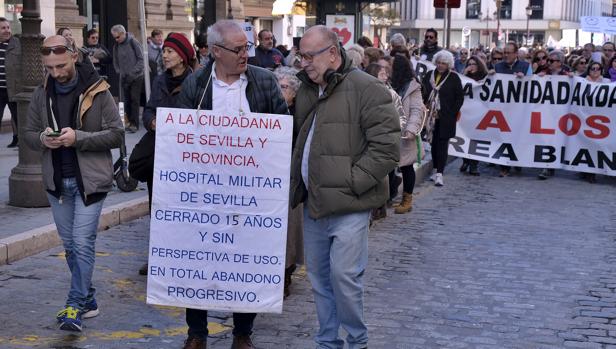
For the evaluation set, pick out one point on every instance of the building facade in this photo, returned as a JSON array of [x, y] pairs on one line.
[[478, 21]]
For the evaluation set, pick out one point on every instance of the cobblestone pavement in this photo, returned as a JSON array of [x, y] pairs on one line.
[[483, 262]]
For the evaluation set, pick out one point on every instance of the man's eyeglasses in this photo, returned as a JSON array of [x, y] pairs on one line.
[[309, 56], [582, 62], [497, 58], [238, 50], [57, 50], [553, 60], [429, 37]]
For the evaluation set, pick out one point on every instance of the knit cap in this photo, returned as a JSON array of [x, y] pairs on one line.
[[180, 44]]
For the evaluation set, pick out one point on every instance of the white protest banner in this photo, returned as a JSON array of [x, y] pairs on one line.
[[598, 24], [545, 122], [219, 210]]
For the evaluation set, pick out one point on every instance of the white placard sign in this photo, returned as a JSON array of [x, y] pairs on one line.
[[344, 26], [250, 36], [219, 210], [598, 24]]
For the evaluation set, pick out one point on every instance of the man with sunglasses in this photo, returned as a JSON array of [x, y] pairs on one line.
[[511, 65], [10, 71], [128, 62], [347, 141], [228, 84], [430, 46], [74, 121]]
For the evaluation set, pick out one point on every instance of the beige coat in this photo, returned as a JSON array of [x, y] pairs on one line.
[[411, 120]]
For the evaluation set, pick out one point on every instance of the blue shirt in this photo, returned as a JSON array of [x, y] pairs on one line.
[[517, 67]]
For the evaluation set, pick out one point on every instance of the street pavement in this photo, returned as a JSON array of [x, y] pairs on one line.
[[483, 262]]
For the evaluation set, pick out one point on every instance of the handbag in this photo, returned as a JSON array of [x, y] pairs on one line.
[[141, 160]]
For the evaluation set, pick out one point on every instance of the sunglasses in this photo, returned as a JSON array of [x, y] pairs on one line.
[[553, 60], [595, 69], [429, 37], [583, 62], [497, 58], [57, 50]]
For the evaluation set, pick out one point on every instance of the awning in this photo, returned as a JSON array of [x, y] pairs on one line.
[[282, 7]]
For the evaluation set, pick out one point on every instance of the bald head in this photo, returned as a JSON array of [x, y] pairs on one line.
[[320, 52], [56, 40], [326, 35], [59, 59]]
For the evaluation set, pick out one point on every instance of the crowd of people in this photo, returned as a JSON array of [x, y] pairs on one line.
[[360, 115]]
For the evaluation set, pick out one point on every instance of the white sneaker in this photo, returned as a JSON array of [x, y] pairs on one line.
[[433, 177], [438, 180]]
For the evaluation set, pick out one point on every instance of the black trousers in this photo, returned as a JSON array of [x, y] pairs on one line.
[[440, 147], [4, 101], [408, 178], [132, 93], [197, 323]]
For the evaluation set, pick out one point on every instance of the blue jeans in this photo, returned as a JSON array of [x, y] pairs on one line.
[[77, 225], [336, 249]]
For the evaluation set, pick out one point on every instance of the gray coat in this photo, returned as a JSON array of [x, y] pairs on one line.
[[128, 58], [98, 130], [12, 63]]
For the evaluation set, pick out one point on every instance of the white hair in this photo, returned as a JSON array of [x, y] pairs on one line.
[[118, 29], [290, 74], [355, 58], [397, 40], [215, 32], [356, 48], [444, 56]]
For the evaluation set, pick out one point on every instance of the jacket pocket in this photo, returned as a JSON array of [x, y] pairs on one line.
[[362, 181]]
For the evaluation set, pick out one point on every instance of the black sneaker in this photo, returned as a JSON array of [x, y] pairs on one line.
[[90, 310]]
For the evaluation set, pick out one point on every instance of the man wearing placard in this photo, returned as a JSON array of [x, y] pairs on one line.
[[347, 141], [228, 83]]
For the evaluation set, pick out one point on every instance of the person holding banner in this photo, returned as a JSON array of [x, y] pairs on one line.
[[347, 141], [226, 84], [475, 69], [511, 65], [75, 145], [443, 97]]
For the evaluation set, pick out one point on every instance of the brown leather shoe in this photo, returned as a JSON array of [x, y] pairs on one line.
[[242, 342], [195, 343]]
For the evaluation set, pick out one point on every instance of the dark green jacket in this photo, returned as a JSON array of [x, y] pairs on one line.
[[354, 146]]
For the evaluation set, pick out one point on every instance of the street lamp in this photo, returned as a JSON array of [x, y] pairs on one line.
[[529, 12], [487, 19]]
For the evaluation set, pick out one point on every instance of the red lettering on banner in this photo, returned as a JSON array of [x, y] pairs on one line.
[[535, 125], [188, 120], [169, 118], [596, 122], [499, 121], [576, 124]]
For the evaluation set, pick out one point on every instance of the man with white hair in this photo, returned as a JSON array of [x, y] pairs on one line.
[[228, 84], [128, 62]]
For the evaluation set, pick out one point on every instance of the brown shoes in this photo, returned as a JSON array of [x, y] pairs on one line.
[[242, 342], [406, 205], [194, 343]]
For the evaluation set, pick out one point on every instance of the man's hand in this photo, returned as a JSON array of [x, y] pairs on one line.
[[541, 74], [50, 142], [519, 75], [491, 72], [407, 134], [67, 137], [153, 124]]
